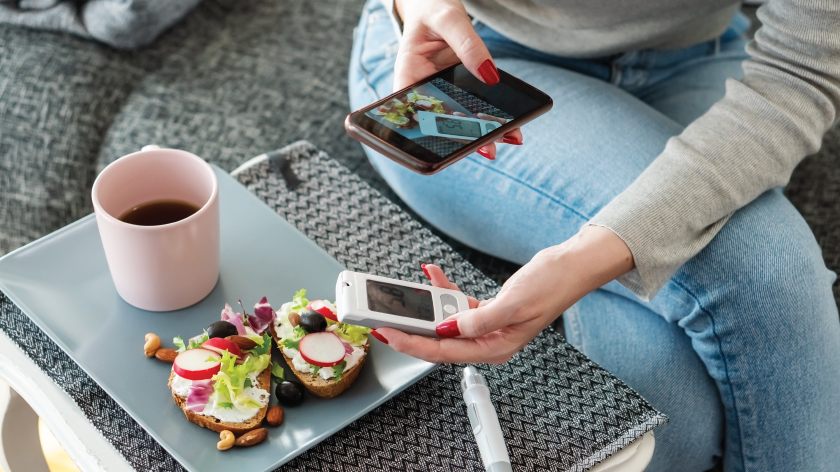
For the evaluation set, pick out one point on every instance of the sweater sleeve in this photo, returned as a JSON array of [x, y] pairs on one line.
[[746, 144]]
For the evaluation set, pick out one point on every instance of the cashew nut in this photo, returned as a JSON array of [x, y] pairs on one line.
[[152, 344], [226, 442]]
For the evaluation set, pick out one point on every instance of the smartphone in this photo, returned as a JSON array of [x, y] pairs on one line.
[[379, 302], [445, 117]]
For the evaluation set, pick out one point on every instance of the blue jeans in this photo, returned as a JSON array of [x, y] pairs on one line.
[[741, 349]]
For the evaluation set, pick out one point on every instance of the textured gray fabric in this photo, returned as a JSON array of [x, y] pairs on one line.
[[581, 415], [118, 23]]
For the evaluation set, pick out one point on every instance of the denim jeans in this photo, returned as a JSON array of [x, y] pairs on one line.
[[741, 348]]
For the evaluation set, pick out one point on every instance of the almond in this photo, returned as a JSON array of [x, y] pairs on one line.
[[166, 355], [274, 417], [294, 319], [252, 437], [244, 343]]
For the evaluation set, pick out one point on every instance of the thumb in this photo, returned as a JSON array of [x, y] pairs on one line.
[[458, 32], [489, 317]]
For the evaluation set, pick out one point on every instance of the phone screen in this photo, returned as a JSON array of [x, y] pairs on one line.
[[466, 107], [401, 301]]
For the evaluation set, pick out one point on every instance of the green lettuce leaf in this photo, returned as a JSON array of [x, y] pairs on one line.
[[263, 346], [339, 369], [352, 333], [299, 301], [179, 343], [229, 383], [277, 373], [290, 344], [226, 404]]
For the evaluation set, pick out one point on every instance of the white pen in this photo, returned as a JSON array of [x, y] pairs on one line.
[[484, 422]]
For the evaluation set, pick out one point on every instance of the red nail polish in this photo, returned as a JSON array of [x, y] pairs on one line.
[[512, 140], [486, 154], [379, 337], [448, 329], [488, 72], [426, 271]]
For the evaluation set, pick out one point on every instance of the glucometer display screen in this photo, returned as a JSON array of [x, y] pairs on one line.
[[400, 301], [458, 127]]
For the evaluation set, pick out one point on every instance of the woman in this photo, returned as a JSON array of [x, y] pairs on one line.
[[646, 206]]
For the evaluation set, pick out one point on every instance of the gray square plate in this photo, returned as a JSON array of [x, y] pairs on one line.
[[62, 282]]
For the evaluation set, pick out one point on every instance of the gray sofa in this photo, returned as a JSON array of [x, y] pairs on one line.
[[234, 79]]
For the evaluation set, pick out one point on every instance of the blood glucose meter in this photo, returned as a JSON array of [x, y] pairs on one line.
[[454, 126], [382, 302]]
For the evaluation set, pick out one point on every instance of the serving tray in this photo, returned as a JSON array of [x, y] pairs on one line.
[[62, 283]]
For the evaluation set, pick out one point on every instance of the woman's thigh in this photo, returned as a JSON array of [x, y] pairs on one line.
[[656, 358]]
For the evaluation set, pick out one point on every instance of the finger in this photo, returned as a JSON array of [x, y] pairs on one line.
[[439, 279], [513, 137], [491, 349], [458, 32], [486, 117], [458, 113], [487, 319], [488, 151]]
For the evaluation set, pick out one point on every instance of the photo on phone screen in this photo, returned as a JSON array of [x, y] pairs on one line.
[[437, 121], [451, 117]]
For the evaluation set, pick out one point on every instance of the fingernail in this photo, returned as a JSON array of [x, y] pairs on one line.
[[448, 329], [426, 271], [488, 72], [486, 154], [379, 337], [512, 140]]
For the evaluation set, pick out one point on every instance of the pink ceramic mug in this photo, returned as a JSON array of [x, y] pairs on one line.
[[166, 267]]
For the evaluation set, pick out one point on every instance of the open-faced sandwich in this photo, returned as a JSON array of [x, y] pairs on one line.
[[221, 379], [325, 355]]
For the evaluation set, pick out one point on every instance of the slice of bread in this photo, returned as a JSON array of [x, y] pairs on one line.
[[210, 422], [331, 388], [316, 384]]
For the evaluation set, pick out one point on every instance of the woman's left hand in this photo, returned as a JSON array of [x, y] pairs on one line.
[[492, 331]]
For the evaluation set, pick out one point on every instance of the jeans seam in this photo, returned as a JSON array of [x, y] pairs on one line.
[[365, 73], [535, 189], [726, 368]]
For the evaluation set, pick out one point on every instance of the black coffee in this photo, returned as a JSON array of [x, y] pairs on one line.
[[160, 212]]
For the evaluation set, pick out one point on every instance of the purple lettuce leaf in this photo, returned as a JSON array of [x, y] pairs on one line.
[[234, 318], [262, 318], [199, 395]]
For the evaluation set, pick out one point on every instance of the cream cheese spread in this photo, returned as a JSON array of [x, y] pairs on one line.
[[236, 414]]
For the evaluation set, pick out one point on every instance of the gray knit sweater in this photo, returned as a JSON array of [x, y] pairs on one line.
[[749, 142]]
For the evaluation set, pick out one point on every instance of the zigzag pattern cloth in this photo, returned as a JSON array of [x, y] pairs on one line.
[[559, 411]]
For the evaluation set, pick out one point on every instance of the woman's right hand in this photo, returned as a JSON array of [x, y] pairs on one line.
[[438, 34]]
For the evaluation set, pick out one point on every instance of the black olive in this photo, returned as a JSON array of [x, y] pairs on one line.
[[221, 329], [312, 321], [289, 393]]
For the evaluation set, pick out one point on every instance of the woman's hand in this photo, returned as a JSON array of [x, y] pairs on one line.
[[494, 330], [436, 35]]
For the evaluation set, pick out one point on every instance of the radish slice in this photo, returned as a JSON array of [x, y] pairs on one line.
[[323, 307], [220, 345], [193, 364], [322, 349]]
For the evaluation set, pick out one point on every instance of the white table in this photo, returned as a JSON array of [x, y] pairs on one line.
[[33, 394]]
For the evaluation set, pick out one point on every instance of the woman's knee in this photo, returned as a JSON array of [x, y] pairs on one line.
[[656, 359], [765, 261]]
